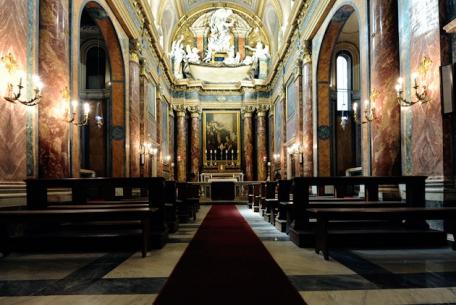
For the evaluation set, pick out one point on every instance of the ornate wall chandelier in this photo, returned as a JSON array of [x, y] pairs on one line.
[[15, 83]]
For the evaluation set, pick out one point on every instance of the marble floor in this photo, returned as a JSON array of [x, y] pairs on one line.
[[351, 277]]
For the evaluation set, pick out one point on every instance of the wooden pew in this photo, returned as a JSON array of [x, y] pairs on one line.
[[250, 195], [104, 190], [187, 201], [284, 216], [415, 197], [271, 202], [143, 214], [256, 198], [410, 214]]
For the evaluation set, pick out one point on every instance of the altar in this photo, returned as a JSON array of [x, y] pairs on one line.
[[222, 176]]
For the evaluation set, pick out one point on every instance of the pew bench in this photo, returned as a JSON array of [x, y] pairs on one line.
[[142, 214], [409, 214]]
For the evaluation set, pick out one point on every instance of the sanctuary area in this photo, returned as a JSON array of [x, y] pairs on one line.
[[189, 152]]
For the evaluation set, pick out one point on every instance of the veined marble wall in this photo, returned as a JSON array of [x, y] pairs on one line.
[[423, 141], [18, 30]]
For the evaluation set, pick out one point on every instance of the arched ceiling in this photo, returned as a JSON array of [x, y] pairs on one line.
[[271, 15]]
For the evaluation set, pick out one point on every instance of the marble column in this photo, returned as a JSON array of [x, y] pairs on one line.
[[195, 141], [386, 130], [54, 69], [307, 119], [248, 142], [181, 143], [262, 154], [134, 96]]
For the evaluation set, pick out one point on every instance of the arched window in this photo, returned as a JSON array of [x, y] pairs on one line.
[[343, 81], [95, 68]]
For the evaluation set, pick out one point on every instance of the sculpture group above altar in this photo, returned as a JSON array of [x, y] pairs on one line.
[[220, 37]]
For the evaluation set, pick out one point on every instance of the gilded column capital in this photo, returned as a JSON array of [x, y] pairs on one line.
[[247, 111], [195, 111], [262, 109], [180, 110]]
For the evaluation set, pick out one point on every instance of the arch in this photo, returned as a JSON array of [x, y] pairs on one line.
[[253, 19], [115, 117], [324, 83]]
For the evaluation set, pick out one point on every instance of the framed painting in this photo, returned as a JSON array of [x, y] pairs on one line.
[[221, 136]]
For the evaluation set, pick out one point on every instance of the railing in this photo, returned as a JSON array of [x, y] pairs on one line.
[[241, 190]]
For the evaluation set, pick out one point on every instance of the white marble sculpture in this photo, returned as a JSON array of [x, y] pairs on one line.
[[219, 37], [177, 56], [192, 55], [231, 59], [260, 59]]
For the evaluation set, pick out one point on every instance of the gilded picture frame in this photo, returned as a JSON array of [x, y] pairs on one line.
[[221, 132]]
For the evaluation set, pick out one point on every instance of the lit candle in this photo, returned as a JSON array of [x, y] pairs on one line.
[[86, 108], [355, 107], [74, 104]]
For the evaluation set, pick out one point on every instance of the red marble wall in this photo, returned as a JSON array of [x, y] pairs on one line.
[[248, 145], [428, 125], [261, 146], [181, 146], [54, 61], [135, 128], [13, 38], [386, 130], [307, 119], [195, 144]]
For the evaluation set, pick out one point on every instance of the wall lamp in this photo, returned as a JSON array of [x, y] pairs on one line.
[[369, 113], [420, 89], [14, 81]]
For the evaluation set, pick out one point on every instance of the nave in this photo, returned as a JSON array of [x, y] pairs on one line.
[[418, 276]]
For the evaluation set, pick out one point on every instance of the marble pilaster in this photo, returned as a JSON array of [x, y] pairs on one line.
[[181, 144], [307, 112], [262, 154], [386, 130], [134, 92], [248, 142], [195, 141], [54, 67]]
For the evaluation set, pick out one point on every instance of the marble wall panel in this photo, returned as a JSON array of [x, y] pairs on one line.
[[13, 117], [422, 132], [54, 67], [386, 152], [307, 120], [135, 132]]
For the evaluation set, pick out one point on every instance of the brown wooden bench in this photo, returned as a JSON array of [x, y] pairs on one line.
[[142, 214], [415, 196], [86, 192], [410, 216]]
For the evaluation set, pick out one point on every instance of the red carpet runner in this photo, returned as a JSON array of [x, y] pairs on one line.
[[225, 264]]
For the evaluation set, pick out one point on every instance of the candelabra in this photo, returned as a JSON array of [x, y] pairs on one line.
[[15, 83], [369, 110], [420, 89]]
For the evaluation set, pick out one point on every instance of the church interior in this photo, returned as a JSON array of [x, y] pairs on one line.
[[195, 152]]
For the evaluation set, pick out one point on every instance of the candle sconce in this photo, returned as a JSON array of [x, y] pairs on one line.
[[70, 112], [420, 88], [369, 114], [15, 79]]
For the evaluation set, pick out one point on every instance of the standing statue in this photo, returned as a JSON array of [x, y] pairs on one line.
[[177, 56], [260, 59]]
